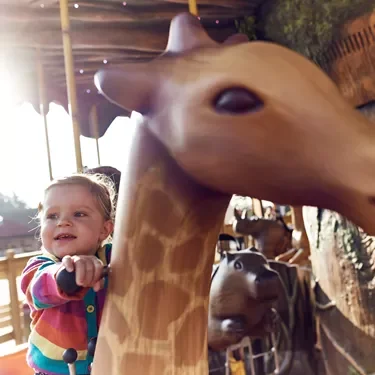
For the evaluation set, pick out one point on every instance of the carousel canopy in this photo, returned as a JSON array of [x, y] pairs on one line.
[[102, 32], [338, 35]]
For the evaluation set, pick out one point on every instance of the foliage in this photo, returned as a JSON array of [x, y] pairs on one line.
[[247, 26], [11, 203], [307, 26]]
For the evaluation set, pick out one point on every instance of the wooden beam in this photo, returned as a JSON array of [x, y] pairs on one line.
[[123, 15], [146, 39], [87, 60], [225, 3]]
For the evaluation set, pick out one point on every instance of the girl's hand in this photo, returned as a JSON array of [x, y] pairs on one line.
[[88, 269]]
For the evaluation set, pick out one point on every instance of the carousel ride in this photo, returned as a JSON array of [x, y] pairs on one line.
[[202, 101]]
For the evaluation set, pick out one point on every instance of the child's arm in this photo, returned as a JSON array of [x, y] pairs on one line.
[[38, 283]]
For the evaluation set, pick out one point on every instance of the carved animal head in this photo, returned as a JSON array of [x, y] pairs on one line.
[[272, 236], [243, 290], [247, 272], [256, 226], [233, 114]]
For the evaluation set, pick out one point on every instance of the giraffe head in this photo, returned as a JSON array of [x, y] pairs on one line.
[[252, 118]]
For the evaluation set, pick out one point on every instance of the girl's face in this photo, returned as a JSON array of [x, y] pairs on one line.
[[72, 222]]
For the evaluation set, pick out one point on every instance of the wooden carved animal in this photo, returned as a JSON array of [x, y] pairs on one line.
[[208, 109], [243, 291], [342, 258], [273, 237]]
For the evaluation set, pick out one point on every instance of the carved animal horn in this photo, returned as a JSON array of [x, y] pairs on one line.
[[131, 87], [186, 33]]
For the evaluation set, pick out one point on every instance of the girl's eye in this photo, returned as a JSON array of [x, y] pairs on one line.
[[79, 214], [52, 216]]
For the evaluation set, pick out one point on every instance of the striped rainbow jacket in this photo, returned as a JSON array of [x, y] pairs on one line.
[[58, 321]]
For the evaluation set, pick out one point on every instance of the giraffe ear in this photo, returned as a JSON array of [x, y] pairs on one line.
[[132, 86]]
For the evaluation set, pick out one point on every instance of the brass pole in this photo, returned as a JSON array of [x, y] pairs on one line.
[[43, 107], [95, 124], [193, 9], [70, 80]]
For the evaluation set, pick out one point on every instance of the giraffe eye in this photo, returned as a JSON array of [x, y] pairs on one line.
[[237, 101]]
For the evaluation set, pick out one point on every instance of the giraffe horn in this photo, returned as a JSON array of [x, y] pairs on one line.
[[186, 33]]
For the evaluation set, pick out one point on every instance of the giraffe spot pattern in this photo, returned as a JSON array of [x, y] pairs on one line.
[[202, 282], [131, 223], [117, 320], [142, 364], [187, 256], [207, 219], [191, 340], [155, 311], [203, 278], [121, 276], [151, 255], [160, 213]]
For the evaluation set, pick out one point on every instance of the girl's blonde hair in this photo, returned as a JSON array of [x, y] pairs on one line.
[[99, 185]]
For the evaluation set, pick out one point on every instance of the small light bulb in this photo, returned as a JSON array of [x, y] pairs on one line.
[[81, 71], [105, 61], [42, 5], [217, 21], [124, 3], [88, 91], [76, 6]]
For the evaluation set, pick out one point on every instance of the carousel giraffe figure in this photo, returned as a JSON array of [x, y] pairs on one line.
[[210, 112]]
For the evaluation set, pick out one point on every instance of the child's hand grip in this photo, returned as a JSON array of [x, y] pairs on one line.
[[66, 281]]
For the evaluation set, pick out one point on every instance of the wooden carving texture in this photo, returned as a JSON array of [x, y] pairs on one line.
[[350, 61], [191, 153], [342, 260]]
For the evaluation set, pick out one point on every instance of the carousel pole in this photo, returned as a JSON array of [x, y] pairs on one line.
[[193, 9], [70, 80], [95, 124], [43, 107]]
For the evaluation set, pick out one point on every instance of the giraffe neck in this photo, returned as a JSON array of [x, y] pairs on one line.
[[155, 316]]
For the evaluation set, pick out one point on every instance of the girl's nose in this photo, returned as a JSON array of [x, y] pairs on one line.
[[64, 222]]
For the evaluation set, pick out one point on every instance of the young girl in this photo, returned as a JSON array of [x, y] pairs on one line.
[[76, 219]]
